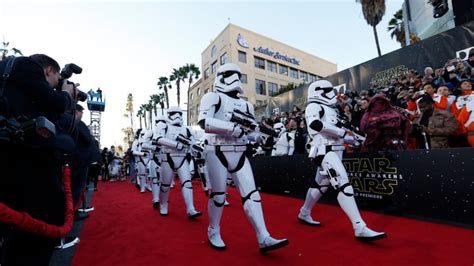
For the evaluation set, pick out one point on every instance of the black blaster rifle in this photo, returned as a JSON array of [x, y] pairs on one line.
[[247, 121], [343, 123], [187, 143], [199, 159]]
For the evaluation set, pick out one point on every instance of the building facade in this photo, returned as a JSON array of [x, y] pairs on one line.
[[267, 65], [419, 19]]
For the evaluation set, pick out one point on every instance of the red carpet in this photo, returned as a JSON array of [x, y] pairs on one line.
[[125, 230]]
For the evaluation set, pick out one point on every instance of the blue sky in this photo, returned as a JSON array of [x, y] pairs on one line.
[[125, 46]]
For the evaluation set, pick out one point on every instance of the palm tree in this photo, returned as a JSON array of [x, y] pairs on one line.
[[144, 109], [164, 84], [178, 75], [396, 28], [149, 107], [373, 11], [128, 135], [154, 100], [140, 114], [129, 108], [5, 50], [162, 103], [192, 71]]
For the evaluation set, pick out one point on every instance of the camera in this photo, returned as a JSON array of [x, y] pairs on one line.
[[66, 73], [440, 7], [450, 69], [15, 130]]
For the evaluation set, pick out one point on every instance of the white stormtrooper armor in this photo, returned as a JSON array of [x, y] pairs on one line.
[[326, 149], [154, 163], [285, 145], [225, 153], [174, 159], [141, 159]]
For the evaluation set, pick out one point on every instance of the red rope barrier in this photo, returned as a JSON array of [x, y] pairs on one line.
[[23, 221]]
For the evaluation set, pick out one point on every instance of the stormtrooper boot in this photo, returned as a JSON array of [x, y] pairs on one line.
[[164, 208], [269, 243], [188, 199], [214, 238], [305, 217], [364, 233], [142, 183]]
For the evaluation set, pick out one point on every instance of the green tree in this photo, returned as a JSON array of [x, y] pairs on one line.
[[192, 72], [144, 109], [178, 76], [154, 100], [148, 108], [128, 136], [5, 50], [164, 84], [373, 11], [396, 28], [140, 115], [129, 108]]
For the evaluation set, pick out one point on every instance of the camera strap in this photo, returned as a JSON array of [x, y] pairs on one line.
[[4, 108], [6, 73]]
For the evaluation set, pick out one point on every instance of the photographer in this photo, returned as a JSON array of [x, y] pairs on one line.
[[31, 171]]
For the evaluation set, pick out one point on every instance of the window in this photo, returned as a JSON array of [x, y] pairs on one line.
[[213, 51], [243, 79], [243, 57], [214, 67], [272, 88], [191, 96], [312, 78], [206, 91], [224, 58], [199, 91], [271, 66], [259, 63], [260, 87], [206, 73], [304, 76], [284, 70], [293, 73]]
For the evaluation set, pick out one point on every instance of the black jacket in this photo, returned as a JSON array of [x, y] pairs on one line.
[[28, 93]]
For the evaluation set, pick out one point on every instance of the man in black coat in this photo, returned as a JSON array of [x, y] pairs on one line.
[[31, 173]]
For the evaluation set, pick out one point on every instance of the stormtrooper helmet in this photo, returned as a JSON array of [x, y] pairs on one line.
[[174, 116], [322, 91], [160, 119], [138, 133], [280, 128], [148, 135], [228, 79]]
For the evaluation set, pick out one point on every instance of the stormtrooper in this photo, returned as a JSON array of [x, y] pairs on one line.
[[285, 145], [141, 159], [154, 163], [225, 154], [326, 150], [176, 141]]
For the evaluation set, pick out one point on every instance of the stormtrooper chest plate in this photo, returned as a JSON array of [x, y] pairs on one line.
[[228, 105], [173, 132], [329, 115]]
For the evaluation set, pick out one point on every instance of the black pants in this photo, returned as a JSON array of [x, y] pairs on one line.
[[31, 183], [94, 171], [78, 182]]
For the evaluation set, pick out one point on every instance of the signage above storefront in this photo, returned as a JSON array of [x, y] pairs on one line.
[[241, 41], [277, 55]]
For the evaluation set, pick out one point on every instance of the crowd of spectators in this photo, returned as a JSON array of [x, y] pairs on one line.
[[414, 111]]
